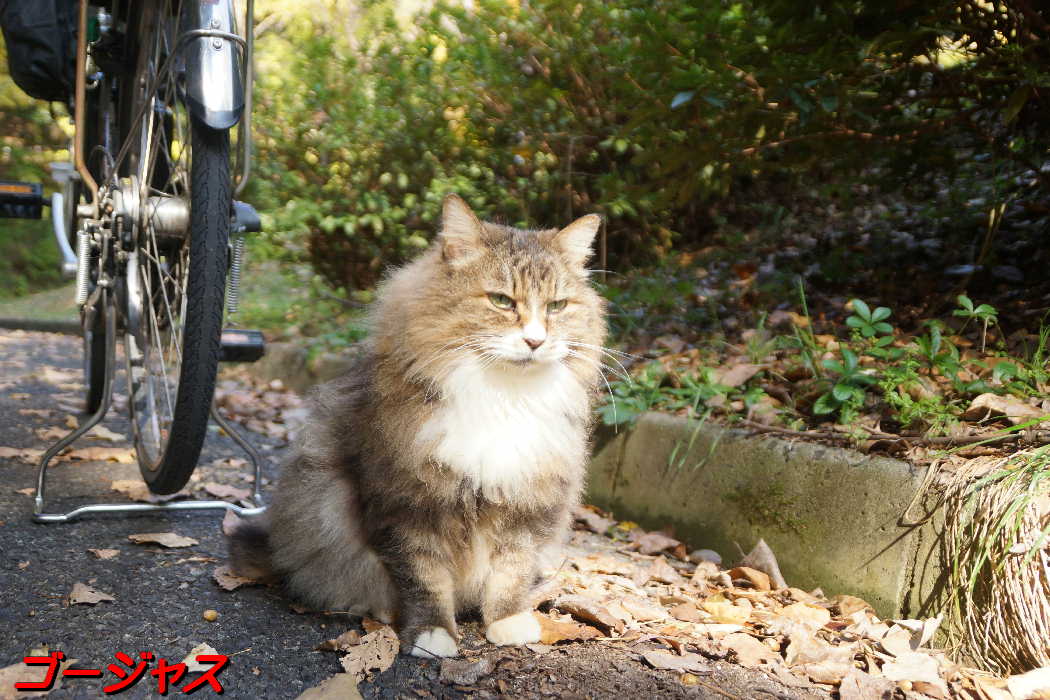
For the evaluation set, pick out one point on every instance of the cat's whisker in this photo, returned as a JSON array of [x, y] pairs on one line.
[[622, 372], [607, 385], [595, 363], [605, 349]]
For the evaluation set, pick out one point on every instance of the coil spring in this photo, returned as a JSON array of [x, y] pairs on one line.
[[233, 287], [83, 267]]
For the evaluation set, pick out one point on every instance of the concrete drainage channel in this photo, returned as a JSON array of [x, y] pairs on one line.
[[833, 517]]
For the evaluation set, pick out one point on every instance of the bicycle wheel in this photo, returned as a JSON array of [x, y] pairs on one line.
[[176, 273]]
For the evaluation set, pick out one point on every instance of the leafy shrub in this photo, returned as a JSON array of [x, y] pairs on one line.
[[646, 111]]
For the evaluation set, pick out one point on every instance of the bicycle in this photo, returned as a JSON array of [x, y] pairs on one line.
[[159, 86]]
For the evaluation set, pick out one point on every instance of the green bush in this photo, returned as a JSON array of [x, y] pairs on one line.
[[647, 111], [29, 140]]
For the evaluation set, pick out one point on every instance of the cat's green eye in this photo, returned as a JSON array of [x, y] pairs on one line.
[[556, 306], [501, 301]]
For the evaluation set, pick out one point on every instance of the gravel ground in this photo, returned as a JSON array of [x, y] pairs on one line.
[[161, 594]]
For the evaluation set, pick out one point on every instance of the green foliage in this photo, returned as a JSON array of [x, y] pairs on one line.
[[848, 384], [984, 313], [643, 110], [29, 140], [869, 322], [627, 399]]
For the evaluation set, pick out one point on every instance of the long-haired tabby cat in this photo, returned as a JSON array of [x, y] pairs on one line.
[[430, 478]]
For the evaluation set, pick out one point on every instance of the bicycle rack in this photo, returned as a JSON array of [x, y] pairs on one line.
[[41, 516]]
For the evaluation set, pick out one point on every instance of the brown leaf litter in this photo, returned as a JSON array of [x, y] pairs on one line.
[[164, 539]]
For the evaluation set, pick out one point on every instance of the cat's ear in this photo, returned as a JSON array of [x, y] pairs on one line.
[[576, 240], [460, 230]]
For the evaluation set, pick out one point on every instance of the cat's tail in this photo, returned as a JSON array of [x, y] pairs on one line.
[[249, 547]]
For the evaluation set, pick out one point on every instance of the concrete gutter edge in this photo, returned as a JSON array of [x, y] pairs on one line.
[[833, 517]]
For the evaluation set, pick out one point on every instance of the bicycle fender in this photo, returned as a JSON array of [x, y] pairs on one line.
[[214, 89]]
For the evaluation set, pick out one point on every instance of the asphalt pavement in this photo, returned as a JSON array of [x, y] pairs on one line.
[[160, 594]]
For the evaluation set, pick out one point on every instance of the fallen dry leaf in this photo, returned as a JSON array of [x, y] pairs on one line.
[[341, 643], [164, 539], [553, 631], [1034, 685], [704, 572], [922, 631], [371, 625], [736, 375], [35, 412], [101, 432], [849, 604], [654, 542], [809, 615], [643, 611], [27, 455], [20, 673], [226, 491], [194, 666], [758, 579], [858, 685], [104, 553], [83, 594], [912, 666], [376, 651], [749, 651], [992, 405], [122, 455], [686, 612], [590, 611], [341, 686], [604, 564], [673, 662], [763, 559], [28, 491], [727, 612], [663, 572], [230, 581], [50, 434], [594, 522]]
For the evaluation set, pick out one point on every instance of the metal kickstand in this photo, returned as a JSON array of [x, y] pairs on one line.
[[39, 514]]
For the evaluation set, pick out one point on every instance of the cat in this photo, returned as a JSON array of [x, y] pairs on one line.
[[433, 475]]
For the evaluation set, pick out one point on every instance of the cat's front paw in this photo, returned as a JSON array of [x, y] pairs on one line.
[[434, 642], [522, 628]]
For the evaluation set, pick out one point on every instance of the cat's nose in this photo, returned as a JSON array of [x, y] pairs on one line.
[[533, 342]]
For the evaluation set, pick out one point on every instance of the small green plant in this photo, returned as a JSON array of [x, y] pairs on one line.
[[911, 398], [985, 313], [848, 389], [871, 331], [803, 339], [627, 399], [867, 321]]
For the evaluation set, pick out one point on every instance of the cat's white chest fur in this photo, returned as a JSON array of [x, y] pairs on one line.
[[498, 426]]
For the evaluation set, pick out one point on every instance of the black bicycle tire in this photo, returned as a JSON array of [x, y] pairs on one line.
[[210, 205]]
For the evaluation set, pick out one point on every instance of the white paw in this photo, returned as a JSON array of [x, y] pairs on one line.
[[522, 628], [433, 642]]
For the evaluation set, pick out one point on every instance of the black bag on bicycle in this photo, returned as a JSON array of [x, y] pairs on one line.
[[41, 46]]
